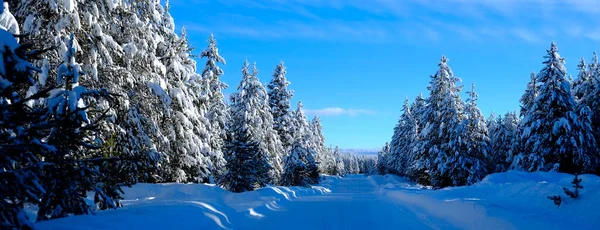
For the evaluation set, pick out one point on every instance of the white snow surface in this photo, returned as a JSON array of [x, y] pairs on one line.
[[511, 200]]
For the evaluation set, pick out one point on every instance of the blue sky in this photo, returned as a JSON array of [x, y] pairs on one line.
[[353, 62]]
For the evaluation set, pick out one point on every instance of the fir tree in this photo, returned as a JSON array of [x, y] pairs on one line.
[[218, 112], [470, 164], [529, 96], [439, 136], [247, 164], [74, 167], [279, 102], [22, 131], [300, 167], [383, 158], [405, 138], [250, 107], [560, 138], [577, 185]]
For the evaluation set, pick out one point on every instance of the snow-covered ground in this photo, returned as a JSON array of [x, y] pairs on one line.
[[512, 200]]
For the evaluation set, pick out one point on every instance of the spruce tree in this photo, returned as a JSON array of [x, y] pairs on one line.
[[279, 102], [560, 137], [383, 158], [405, 138], [469, 165], [250, 107], [217, 113], [300, 165], [529, 96], [22, 131], [439, 136]]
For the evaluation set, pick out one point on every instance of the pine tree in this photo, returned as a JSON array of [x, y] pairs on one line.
[[502, 136], [279, 102], [560, 138], [405, 138], [247, 164], [317, 140], [218, 112], [439, 135], [581, 84], [250, 107], [124, 43], [300, 167], [529, 96], [22, 131], [339, 163], [469, 165], [74, 167], [590, 97], [383, 158]]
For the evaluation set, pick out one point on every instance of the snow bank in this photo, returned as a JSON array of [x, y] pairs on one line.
[[511, 200], [186, 206]]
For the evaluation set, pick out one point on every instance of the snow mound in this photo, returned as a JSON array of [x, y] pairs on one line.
[[511, 200]]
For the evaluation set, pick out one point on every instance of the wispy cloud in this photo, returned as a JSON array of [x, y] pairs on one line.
[[390, 20], [336, 111]]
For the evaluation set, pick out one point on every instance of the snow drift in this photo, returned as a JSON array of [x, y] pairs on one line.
[[511, 200]]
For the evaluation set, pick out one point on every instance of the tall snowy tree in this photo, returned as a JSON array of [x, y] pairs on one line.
[[247, 164], [279, 102], [300, 165], [561, 139], [250, 104], [529, 96], [590, 95], [218, 112], [124, 51], [21, 135], [469, 165], [502, 135], [439, 136], [383, 159], [403, 141], [581, 84], [317, 140]]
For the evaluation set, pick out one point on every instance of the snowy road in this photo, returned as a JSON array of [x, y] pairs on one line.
[[512, 200], [355, 202]]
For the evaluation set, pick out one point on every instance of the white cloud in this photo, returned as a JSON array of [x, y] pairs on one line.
[[336, 111]]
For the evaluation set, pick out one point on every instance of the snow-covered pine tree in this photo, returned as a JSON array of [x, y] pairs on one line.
[[116, 33], [529, 96], [439, 136], [279, 102], [185, 125], [340, 167], [21, 135], [518, 147], [218, 111], [405, 140], [250, 107], [383, 159], [304, 147], [75, 166], [247, 164], [502, 135], [581, 85], [317, 140], [591, 97], [560, 138], [469, 165]]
